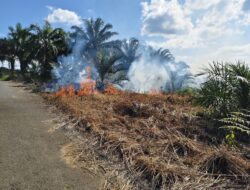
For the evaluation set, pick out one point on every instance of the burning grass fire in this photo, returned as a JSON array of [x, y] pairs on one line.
[[160, 140]]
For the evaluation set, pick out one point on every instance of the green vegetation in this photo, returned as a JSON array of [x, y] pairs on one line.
[[35, 48], [49, 43], [227, 88], [20, 39], [105, 61], [5, 74], [225, 93], [237, 121]]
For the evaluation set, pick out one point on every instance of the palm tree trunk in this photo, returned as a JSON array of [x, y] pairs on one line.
[[12, 68], [43, 68], [1, 72], [23, 68]]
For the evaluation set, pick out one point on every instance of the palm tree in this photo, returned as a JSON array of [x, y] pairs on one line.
[[21, 40], [96, 34], [106, 60], [179, 76], [2, 50], [242, 75], [2, 53], [8, 53], [49, 44], [128, 50], [226, 89], [162, 54], [2, 47]]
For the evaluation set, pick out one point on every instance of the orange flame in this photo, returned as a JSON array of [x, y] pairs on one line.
[[88, 86], [111, 90], [62, 92], [71, 90], [65, 91]]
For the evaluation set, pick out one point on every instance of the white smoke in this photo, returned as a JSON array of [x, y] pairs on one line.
[[72, 69], [147, 74], [150, 73]]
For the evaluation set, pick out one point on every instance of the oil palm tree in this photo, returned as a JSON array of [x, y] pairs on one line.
[[242, 76], [179, 76], [162, 54], [97, 36], [3, 49], [106, 59], [8, 53], [49, 44], [129, 53], [21, 39], [226, 89]]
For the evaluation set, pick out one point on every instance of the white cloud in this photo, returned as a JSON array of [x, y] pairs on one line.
[[162, 17], [231, 53], [63, 16], [199, 25], [181, 26], [200, 4]]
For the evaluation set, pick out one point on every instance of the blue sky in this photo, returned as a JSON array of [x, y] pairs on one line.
[[196, 31], [125, 15]]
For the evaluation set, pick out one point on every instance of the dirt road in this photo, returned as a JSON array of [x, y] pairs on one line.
[[29, 155]]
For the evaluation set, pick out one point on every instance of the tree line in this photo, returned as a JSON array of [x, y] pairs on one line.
[[32, 46], [37, 49]]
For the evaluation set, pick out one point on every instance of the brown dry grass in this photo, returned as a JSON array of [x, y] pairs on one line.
[[158, 139]]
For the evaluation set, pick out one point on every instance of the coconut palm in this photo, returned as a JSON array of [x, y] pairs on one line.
[[21, 40], [49, 44]]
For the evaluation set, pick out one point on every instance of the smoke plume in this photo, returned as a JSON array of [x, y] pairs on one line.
[[150, 71]]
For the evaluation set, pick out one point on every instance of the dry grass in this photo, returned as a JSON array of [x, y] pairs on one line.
[[158, 140]]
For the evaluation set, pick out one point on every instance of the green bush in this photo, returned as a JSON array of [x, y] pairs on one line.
[[5, 78]]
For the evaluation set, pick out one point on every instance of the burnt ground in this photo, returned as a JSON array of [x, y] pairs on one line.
[[161, 140], [30, 156]]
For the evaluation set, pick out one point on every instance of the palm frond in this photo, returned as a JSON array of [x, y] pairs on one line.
[[237, 121]]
